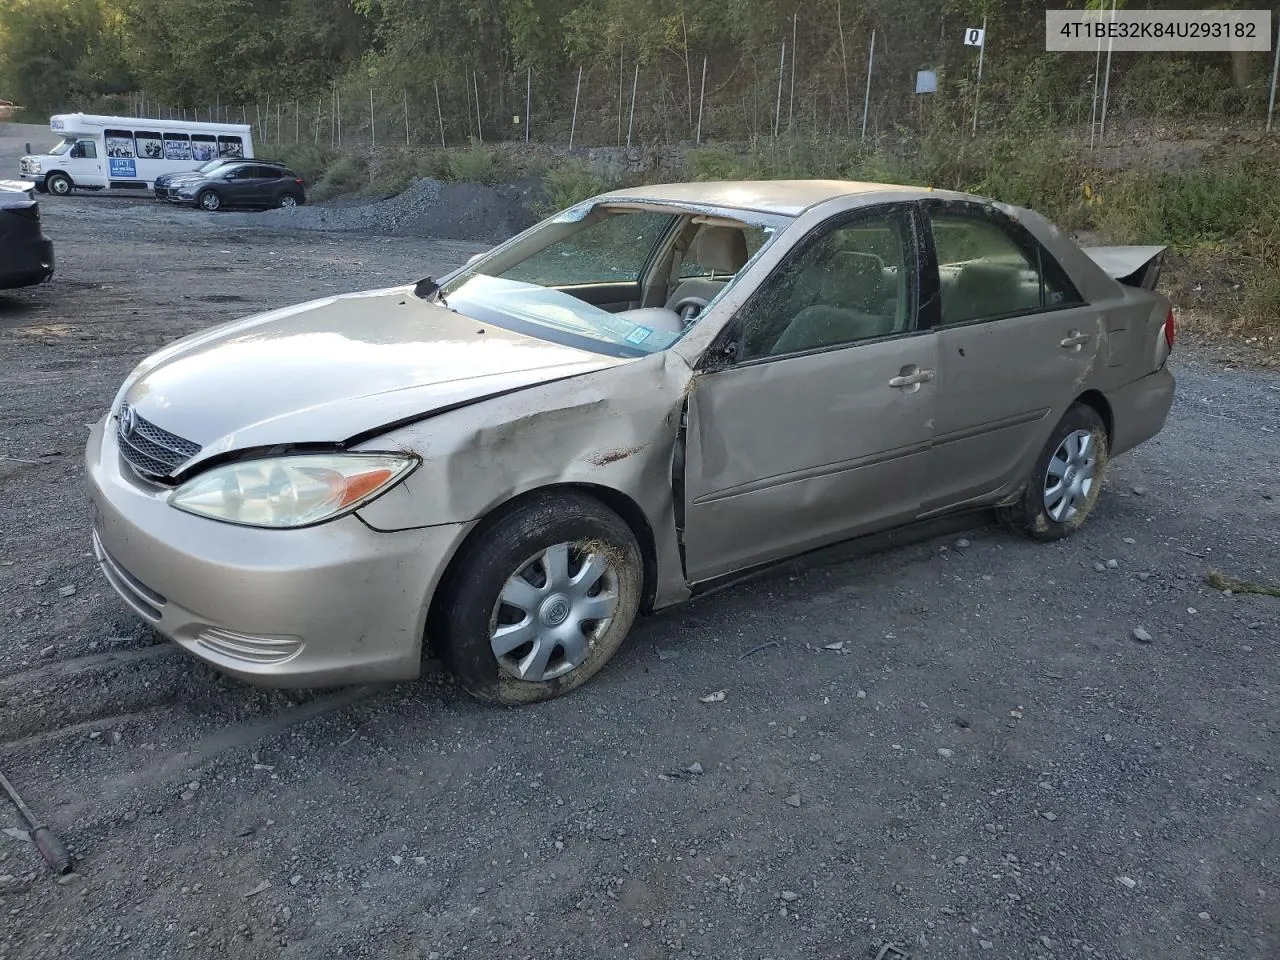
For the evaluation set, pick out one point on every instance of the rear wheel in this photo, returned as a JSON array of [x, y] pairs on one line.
[[209, 200], [287, 201], [1066, 480], [539, 602], [59, 184]]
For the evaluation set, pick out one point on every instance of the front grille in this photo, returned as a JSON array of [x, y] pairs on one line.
[[133, 591], [148, 448]]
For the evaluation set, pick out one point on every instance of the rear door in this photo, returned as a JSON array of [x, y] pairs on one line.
[[1015, 343]]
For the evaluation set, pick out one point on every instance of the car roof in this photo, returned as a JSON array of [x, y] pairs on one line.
[[784, 197]]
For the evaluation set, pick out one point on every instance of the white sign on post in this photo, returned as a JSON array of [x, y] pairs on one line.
[[973, 37]]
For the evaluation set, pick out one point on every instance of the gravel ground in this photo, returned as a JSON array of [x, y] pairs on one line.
[[955, 746]]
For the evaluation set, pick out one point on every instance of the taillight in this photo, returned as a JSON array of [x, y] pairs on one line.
[[298, 181], [1170, 329]]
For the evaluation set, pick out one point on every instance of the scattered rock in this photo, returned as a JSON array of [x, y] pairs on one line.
[[1107, 738], [49, 651], [1050, 816], [67, 591], [1192, 610], [695, 768], [1204, 915], [1113, 564], [862, 694], [793, 800], [295, 880], [962, 544], [17, 834], [1130, 541], [985, 944], [789, 896], [1128, 882], [264, 885], [717, 697], [1141, 635], [1139, 491], [945, 754], [1100, 567], [961, 860]]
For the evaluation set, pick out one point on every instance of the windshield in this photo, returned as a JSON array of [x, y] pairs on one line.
[[62, 146], [210, 166], [621, 281]]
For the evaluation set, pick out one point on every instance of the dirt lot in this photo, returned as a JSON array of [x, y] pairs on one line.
[[990, 766]]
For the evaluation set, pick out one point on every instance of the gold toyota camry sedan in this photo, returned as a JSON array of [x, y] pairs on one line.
[[651, 392]]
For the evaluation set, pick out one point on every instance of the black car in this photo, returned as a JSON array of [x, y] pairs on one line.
[[26, 254], [249, 183], [165, 183]]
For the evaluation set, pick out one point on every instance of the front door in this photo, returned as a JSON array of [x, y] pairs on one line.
[[1015, 341], [85, 165], [822, 427]]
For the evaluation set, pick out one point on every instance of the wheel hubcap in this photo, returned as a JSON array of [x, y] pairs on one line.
[[1069, 479], [551, 611]]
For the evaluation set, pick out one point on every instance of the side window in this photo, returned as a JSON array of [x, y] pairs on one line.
[[87, 149], [985, 272], [203, 147], [612, 250], [177, 146], [848, 283], [150, 145], [230, 147], [119, 144]]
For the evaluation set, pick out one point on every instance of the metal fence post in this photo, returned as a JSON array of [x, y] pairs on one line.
[[406, 117], [977, 87], [528, 102], [701, 99], [1275, 68], [573, 124], [479, 126], [373, 122], [1106, 83], [777, 107], [791, 99], [439, 112], [866, 98], [632, 118]]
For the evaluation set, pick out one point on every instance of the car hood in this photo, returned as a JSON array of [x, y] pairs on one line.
[[336, 370]]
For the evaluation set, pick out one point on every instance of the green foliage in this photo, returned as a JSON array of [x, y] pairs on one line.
[[347, 174], [569, 183], [479, 164], [308, 161]]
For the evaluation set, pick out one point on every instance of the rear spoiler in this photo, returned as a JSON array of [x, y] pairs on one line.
[[1132, 266]]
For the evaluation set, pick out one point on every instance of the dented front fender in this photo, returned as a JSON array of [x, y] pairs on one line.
[[614, 429]]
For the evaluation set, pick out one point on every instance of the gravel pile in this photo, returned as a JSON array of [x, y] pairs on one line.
[[429, 208]]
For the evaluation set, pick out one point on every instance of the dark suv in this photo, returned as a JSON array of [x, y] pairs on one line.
[[248, 183], [26, 254], [166, 179]]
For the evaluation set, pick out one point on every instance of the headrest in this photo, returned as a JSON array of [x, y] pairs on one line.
[[722, 249]]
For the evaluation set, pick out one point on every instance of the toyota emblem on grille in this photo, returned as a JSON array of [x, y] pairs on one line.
[[128, 422]]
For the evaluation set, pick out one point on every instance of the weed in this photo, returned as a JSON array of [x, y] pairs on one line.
[[1217, 580]]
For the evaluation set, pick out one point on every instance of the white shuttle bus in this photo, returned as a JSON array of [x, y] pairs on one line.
[[129, 153]]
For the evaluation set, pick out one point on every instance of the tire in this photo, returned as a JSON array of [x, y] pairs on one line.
[[209, 200], [287, 201], [1077, 452], [488, 643], [59, 184]]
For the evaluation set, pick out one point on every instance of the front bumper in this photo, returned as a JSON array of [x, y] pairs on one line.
[[322, 606], [36, 178]]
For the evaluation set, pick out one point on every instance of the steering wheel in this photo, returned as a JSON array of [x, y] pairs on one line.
[[689, 308]]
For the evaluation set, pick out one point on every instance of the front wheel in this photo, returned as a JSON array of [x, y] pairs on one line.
[[209, 200], [1066, 480], [59, 184], [540, 601]]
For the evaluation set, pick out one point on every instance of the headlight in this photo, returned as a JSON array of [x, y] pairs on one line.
[[35, 166], [292, 491]]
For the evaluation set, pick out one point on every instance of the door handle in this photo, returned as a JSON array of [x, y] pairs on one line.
[[1075, 340], [911, 379]]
